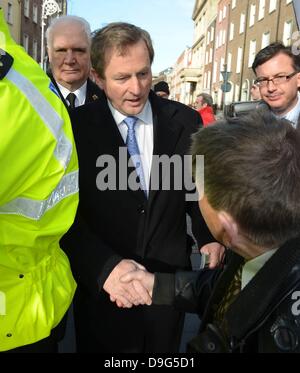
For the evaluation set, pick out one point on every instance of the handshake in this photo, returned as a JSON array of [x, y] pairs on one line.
[[130, 284]]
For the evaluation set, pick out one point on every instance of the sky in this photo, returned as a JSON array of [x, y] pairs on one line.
[[169, 22]]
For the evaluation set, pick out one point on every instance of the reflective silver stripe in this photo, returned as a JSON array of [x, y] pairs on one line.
[[48, 115], [34, 209]]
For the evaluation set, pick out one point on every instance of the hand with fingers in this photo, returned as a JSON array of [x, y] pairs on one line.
[[216, 253], [141, 280], [126, 294]]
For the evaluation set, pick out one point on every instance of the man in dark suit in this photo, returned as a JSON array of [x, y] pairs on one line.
[[277, 71], [127, 220], [68, 45]]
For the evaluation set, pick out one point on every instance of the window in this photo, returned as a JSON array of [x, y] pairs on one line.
[[237, 92], [224, 12], [252, 15], [9, 16], [288, 1], [26, 8], [287, 33], [35, 13], [35, 50], [233, 4], [242, 23], [210, 55], [252, 52], [273, 5], [231, 31], [25, 42], [229, 61], [212, 34], [224, 37], [239, 60], [221, 67], [208, 38], [261, 10], [220, 16], [265, 41], [208, 79], [206, 57], [215, 67]]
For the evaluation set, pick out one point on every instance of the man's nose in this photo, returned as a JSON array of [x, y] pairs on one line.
[[135, 86], [69, 57], [271, 86]]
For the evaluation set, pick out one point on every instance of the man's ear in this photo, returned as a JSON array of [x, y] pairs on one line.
[[230, 228], [96, 78], [298, 80], [48, 53]]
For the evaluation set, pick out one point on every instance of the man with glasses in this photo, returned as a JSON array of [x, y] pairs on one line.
[[278, 76]]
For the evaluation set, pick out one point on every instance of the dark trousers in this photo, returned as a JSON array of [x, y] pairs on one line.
[[101, 327]]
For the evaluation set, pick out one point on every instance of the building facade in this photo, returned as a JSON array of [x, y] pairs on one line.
[[33, 15], [227, 36], [12, 13]]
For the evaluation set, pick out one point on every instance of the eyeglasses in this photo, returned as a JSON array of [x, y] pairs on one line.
[[279, 79]]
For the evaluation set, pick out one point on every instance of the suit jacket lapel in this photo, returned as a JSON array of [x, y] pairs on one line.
[[167, 131], [106, 136], [264, 291], [58, 90]]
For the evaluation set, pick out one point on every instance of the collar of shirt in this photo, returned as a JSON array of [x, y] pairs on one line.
[[293, 115], [80, 93], [251, 267], [145, 116], [144, 135]]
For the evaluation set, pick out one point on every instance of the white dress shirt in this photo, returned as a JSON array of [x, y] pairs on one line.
[[294, 114], [80, 94], [143, 133], [251, 267]]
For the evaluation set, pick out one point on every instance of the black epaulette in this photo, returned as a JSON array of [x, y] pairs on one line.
[[6, 61]]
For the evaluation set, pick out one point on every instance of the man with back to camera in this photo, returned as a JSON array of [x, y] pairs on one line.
[[277, 72], [254, 211], [118, 230], [68, 45]]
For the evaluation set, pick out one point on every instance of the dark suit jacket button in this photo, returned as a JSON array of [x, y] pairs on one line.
[[141, 209]]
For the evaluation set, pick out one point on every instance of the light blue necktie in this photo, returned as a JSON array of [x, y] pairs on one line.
[[134, 152]]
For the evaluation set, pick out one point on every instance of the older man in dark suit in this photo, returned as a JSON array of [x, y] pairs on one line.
[[68, 45], [139, 223]]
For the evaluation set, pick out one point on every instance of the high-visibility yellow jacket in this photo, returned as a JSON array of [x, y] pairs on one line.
[[38, 199]]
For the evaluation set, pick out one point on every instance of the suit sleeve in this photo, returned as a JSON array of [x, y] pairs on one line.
[[91, 260], [187, 291], [199, 228]]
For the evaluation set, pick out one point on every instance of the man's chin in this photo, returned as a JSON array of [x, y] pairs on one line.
[[134, 109]]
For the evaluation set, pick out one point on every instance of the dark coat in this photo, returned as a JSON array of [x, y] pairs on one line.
[[265, 316], [93, 92], [112, 225]]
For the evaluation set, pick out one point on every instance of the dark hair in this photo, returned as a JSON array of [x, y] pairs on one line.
[[117, 35], [207, 99], [252, 171], [273, 50], [162, 86]]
